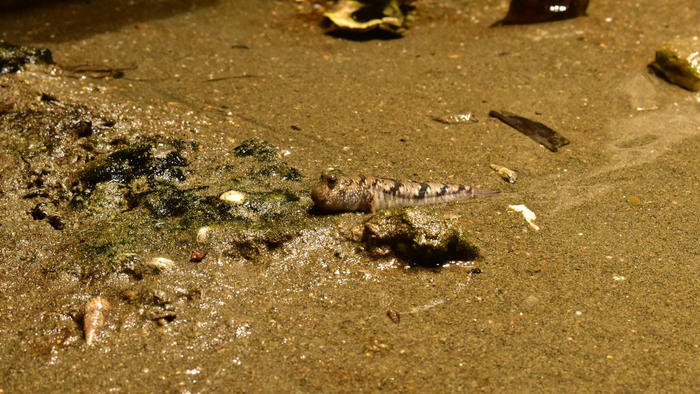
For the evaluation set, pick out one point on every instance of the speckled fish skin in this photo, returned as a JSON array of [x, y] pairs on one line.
[[340, 193]]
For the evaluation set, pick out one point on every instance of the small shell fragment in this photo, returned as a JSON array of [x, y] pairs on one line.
[[394, 316], [161, 263], [356, 15], [456, 118], [203, 233], [94, 317], [507, 174], [233, 197], [527, 214]]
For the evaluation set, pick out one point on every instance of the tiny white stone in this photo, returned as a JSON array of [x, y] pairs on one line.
[[233, 197], [203, 233], [618, 277]]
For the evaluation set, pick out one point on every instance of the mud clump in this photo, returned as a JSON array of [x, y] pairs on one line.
[[418, 237]]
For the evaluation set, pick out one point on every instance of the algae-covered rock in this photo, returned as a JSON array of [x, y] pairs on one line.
[[679, 61], [109, 198], [125, 165], [256, 147], [365, 15], [168, 201], [419, 237], [266, 153], [13, 57]]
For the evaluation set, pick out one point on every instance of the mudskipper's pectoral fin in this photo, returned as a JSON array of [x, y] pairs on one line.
[[371, 204]]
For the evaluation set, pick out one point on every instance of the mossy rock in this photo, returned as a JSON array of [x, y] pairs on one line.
[[418, 237], [127, 164], [679, 61]]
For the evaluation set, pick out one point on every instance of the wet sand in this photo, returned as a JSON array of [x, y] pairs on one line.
[[603, 298]]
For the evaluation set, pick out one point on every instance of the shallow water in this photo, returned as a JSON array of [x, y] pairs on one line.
[[603, 297]]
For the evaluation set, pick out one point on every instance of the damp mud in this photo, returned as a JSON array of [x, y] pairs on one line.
[[158, 232]]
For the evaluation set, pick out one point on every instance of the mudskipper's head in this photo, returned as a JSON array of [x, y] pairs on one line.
[[323, 193]]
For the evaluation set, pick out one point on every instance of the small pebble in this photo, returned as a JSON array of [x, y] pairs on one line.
[[394, 316], [233, 197], [197, 256], [634, 201], [530, 301], [56, 222], [507, 174]]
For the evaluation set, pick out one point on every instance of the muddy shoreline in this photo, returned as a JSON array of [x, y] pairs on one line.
[[603, 297]]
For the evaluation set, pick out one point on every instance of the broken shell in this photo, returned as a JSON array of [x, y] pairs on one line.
[[363, 16], [394, 316], [160, 263], [94, 317], [233, 197], [505, 173], [527, 214], [203, 233], [456, 118]]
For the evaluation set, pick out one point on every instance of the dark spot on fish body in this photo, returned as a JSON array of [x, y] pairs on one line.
[[422, 191], [394, 189]]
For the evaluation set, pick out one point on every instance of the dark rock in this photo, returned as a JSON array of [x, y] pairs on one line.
[[125, 165], [40, 211], [535, 11], [13, 57], [121, 166], [56, 222]]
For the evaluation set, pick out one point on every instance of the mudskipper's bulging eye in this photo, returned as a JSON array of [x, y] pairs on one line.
[[332, 179]]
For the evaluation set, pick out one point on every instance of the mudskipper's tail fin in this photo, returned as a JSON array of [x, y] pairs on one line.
[[479, 193]]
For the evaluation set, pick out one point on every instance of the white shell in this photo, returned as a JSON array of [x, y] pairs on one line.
[[162, 263], [203, 234], [527, 214], [233, 197], [94, 317]]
